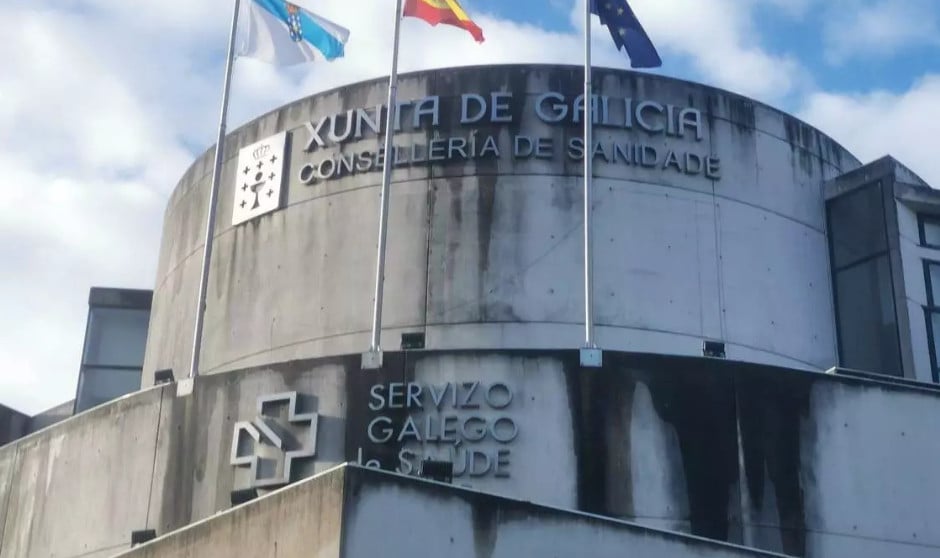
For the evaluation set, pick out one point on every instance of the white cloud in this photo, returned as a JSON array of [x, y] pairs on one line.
[[722, 41], [870, 125], [89, 158], [857, 28], [108, 102]]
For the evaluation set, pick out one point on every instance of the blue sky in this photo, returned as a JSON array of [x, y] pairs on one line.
[[109, 101], [805, 31]]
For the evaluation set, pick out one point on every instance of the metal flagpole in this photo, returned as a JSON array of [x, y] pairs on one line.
[[590, 355], [373, 358], [213, 197]]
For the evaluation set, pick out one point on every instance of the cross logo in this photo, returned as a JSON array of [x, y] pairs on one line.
[[270, 444], [258, 178]]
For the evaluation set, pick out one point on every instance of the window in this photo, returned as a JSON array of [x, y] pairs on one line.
[[932, 277], [857, 226], [115, 338], [102, 384], [867, 322], [929, 231], [866, 316]]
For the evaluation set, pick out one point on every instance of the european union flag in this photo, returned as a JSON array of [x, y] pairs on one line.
[[627, 32]]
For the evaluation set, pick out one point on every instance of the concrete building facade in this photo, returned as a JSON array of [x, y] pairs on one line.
[[705, 203], [717, 220]]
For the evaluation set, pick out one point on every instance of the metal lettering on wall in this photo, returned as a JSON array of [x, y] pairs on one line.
[[651, 118], [271, 443], [465, 423]]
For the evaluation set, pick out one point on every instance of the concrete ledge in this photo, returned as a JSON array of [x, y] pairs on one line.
[[303, 519], [351, 511]]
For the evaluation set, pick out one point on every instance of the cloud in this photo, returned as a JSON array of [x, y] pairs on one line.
[[879, 29], [89, 155], [105, 113], [882, 123], [721, 40], [108, 101]]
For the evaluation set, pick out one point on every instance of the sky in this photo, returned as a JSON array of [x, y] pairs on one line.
[[105, 103]]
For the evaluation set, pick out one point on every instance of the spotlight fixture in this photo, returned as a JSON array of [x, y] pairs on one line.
[[440, 471], [714, 349], [412, 341], [164, 376], [142, 536]]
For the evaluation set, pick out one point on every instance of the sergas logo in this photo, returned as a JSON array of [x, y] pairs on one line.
[[271, 444]]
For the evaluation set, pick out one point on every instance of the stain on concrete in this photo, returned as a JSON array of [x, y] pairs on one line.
[[771, 412], [358, 417], [485, 530], [699, 404], [741, 113]]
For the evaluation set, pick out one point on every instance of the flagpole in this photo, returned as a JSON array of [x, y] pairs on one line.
[[373, 358], [590, 355], [213, 197]]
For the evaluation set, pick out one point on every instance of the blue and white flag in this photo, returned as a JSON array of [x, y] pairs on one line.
[[284, 34]]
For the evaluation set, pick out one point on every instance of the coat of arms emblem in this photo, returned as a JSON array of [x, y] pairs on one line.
[[259, 178], [293, 22]]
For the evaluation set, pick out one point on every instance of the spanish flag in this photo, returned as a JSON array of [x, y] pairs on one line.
[[443, 11]]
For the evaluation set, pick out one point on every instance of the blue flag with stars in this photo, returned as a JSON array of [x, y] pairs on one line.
[[627, 32]]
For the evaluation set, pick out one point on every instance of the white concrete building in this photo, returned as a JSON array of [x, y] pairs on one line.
[[764, 301]]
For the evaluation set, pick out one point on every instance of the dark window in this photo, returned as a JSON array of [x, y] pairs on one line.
[[929, 231], [102, 384], [857, 226], [866, 315], [932, 277], [933, 281], [115, 338], [868, 327]]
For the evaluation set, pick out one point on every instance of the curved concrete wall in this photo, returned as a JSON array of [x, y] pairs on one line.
[[485, 250], [802, 463]]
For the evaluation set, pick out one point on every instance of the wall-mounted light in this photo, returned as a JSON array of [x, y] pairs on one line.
[[164, 376], [410, 341], [440, 471], [142, 536], [715, 349], [237, 497]]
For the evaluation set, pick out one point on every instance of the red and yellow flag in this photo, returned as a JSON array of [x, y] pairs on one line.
[[443, 11]]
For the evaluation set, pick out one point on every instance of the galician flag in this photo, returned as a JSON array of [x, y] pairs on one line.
[[448, 12], [285, 34]]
